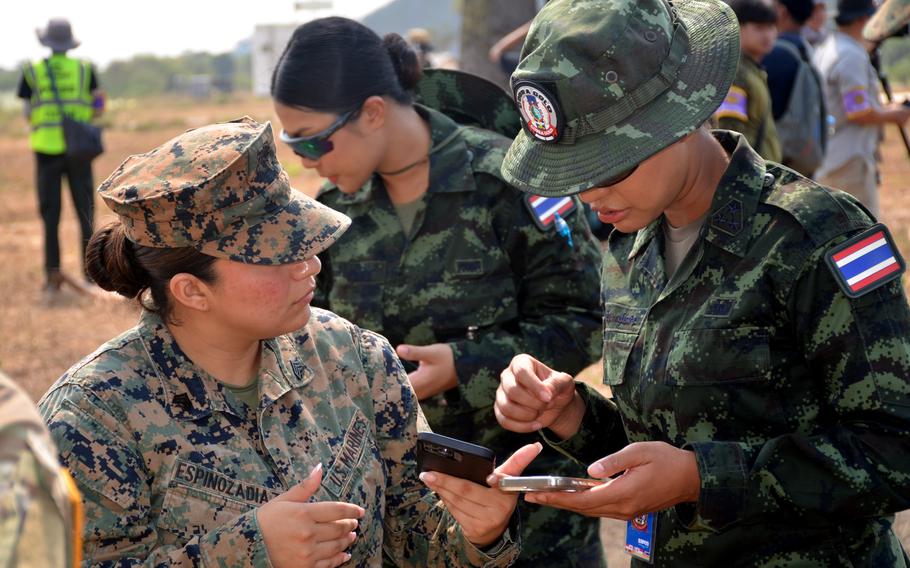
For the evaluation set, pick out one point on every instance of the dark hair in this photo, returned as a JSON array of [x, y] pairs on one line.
[[118, 265], [849, 11], [334, 64], [754, 12], [800, 10]]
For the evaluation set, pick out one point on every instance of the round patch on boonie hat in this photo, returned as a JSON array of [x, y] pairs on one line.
[[629, 78], [539, 111]]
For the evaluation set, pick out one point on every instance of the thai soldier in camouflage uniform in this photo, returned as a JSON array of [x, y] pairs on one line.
[[761, 398], [181, 456], [476, 276], [40, 507]]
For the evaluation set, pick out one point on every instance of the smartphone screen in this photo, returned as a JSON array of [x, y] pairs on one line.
[[528, 484]]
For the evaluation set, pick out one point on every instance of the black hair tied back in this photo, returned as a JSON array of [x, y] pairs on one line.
[[404, 59], [111, 262]]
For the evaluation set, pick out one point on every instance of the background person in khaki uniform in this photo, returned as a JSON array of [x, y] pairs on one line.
[[747, 106], [852, 98], [235, 425], [40, 507]]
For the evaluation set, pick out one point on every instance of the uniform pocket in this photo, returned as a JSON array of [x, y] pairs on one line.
[[716, 356], [622, 326], [190, 511]]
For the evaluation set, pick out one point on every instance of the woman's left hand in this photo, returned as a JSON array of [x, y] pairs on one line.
[[482, 512], [436, 368], [655, 476]]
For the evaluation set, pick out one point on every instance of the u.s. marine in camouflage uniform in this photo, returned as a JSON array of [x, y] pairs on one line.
[[40, 507], [176, 466], [761, 401], [483, 269]]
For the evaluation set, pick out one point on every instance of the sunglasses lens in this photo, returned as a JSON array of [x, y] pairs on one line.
[[312, 149], [613, 180]]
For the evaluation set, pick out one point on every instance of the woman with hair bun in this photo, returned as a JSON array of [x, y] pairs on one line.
[[451, 263], [235, 425]]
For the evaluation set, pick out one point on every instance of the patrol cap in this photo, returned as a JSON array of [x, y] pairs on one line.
[[604, 84], [888, 20], [220, 190]]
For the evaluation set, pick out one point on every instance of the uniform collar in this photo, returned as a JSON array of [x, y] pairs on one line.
[[191, 393], [734, 202], [450, 163]]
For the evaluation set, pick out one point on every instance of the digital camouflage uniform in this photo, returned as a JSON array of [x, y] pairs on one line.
[[40, 511], [171, 464], [475, 257], [794, 397]]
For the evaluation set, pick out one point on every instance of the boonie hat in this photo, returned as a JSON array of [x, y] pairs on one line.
[[604, 84], [220, 190], [58, 35], [888, 20], [469, 100]]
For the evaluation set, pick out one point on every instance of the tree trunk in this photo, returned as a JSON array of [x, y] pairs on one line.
[[483, 23]]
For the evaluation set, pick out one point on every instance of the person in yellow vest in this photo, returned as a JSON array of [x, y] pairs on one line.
[[82, 100], [40, 507]]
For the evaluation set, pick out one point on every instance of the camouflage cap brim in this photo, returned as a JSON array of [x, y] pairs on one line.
[[703, 79], [300, 230], [888, 20]]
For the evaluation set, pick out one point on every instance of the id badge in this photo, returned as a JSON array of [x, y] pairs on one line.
[[640, 537]]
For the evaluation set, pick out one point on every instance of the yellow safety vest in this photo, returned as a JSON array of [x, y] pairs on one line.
[[73, 78]]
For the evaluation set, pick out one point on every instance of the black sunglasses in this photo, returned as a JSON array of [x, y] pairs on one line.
[[613, 180], [318, 145]]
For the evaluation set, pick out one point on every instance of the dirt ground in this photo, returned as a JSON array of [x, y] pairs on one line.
[[40, 340]]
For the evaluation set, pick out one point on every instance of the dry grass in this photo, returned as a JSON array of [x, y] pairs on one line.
[[38, 341]]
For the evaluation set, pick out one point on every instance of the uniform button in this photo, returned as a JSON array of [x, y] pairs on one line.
[[769, 180]]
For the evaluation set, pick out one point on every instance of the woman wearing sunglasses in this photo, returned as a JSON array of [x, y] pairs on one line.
[[458, 269]]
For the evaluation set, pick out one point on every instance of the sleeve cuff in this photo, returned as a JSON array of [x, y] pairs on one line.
[[238, 543], [723, 472], [502, 552], [597, 433]]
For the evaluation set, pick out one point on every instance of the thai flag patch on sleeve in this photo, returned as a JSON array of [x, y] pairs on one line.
[[544, 209], [866, 261]]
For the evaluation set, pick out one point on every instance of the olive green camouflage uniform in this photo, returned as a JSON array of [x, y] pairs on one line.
[[474, 257], [171, 464], [757, 123], [39, 504], [794, 397]]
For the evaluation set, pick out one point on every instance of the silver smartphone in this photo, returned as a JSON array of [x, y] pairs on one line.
[[547, 483]]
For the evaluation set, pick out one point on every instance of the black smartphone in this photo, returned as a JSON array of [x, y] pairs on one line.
[[436, 452]]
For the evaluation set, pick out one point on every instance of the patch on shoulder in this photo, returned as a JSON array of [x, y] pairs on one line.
[[866, 262], [729, 218], [544, 209], [735, 105]]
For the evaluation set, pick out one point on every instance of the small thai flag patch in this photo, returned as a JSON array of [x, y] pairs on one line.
[[544, 209], [866, 262]]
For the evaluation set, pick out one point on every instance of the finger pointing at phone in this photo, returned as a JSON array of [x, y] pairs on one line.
[[482, 512]]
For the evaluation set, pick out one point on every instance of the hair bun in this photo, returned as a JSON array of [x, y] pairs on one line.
[[404, 59], [111, 262]]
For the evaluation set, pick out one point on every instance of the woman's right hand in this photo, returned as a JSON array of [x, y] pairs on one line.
[[532, 396], [302, 534]]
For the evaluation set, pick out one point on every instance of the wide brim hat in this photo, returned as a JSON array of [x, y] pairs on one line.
[[57, 35], [888, 20], [220, 190], [697, 87], [469, 99]]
